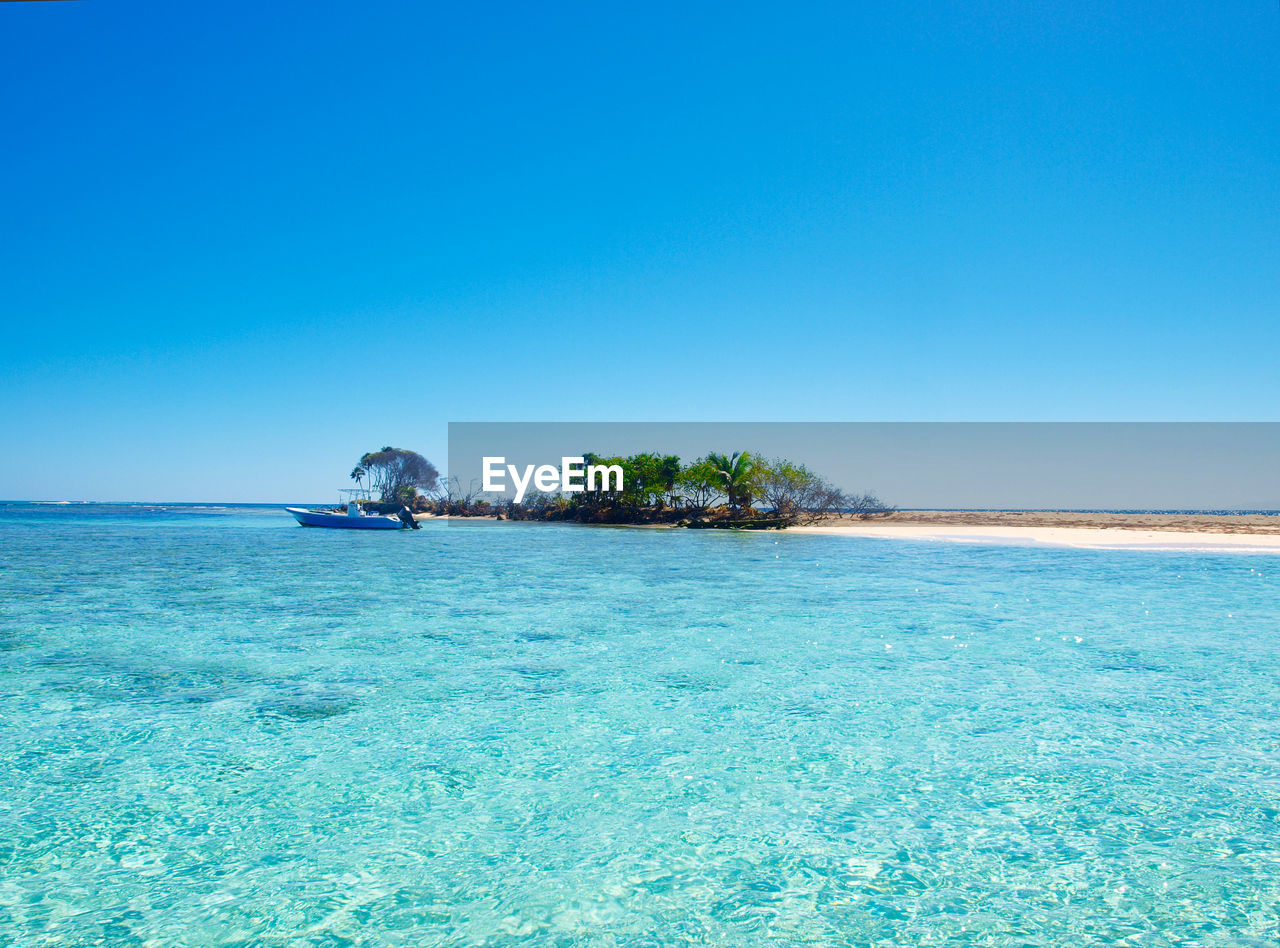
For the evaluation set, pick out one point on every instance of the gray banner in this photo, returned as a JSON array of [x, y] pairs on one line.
[[1020, 466]]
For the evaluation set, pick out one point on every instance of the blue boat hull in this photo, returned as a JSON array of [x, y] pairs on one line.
[[312, 518]]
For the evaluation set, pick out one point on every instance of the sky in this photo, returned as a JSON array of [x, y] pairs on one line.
[[242, 244]]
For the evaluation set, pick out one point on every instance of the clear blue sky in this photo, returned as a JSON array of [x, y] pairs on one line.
[[244, 243]]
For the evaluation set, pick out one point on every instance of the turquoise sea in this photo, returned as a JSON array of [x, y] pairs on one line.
[[219, 728]]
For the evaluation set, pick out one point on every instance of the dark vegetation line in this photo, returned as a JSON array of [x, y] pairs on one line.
[[740, 490]]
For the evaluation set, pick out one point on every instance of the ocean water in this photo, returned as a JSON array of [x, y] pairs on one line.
[[219, 728]]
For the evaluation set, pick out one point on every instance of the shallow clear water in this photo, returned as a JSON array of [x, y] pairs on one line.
[[217, 727]]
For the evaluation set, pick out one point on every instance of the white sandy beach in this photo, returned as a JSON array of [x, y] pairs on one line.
[[1081, 537], [1214, 533]]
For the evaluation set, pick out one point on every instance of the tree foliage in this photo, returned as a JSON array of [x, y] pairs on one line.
[[658, 488], [358, 474], [397, 474], [698, 484], [736, 474], [795, 492], [866, 505], [649, 479]]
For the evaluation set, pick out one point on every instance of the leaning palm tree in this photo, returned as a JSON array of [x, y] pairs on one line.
[[734, 472], [358, 474]]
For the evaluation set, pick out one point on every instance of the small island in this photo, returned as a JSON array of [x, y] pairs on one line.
[[748, 491], [740, 491]]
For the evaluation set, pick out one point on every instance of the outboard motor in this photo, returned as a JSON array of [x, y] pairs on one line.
[[406, 517]]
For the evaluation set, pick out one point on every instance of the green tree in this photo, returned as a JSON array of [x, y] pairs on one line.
[[650, 478], [699, 484], [668, 471], [736, 476], [794, 491], [392, 470], [601, 497]]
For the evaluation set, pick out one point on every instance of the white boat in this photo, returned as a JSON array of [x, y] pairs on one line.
[[353, 519]]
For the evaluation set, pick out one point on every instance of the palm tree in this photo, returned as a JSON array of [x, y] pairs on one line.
[[734, 472], [358, 474]]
